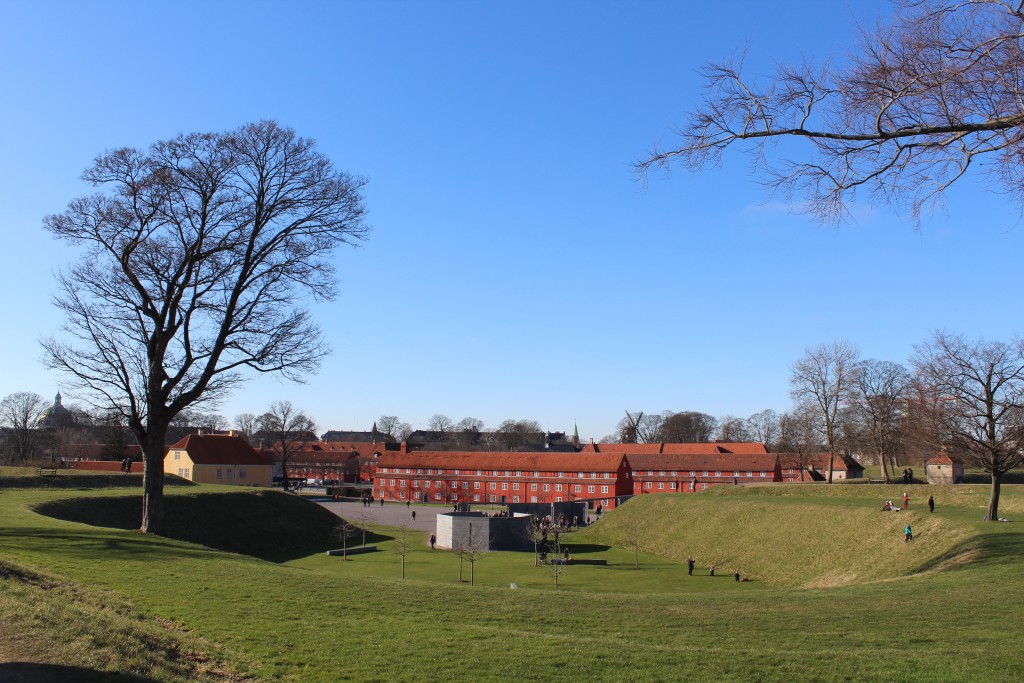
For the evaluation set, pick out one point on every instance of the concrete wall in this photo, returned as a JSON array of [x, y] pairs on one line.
[[473, 529]]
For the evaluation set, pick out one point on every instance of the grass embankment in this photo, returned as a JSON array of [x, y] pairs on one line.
[[809, 536], [325, 620], [271, 525]]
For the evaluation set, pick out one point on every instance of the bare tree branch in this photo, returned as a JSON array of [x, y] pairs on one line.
[[197, 256], [921, 101]]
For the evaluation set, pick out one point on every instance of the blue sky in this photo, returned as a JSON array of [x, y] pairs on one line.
[[517, 267]]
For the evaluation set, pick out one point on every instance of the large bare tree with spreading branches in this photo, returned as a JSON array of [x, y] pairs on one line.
[[288, 430], [881, 390], [977, 406], [921, 100], [823, 378], [197, 257]]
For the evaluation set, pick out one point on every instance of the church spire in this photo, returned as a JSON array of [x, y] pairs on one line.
[[575, 436]]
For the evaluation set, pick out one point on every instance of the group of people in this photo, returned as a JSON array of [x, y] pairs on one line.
[[908, 475], [367, 501], [691, 563], [889, 505], [126, 465]]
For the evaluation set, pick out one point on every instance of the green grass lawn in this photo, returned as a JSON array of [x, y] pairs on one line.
[[836, 595]]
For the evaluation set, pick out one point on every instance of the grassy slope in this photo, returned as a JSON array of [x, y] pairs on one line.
[[810, 536], [319, 620]]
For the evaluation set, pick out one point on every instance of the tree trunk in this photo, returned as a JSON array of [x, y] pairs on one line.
[[885, 468], [831, 458], [993, 500], [153, 481]]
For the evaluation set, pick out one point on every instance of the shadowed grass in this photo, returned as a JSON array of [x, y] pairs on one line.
[[271, 525]]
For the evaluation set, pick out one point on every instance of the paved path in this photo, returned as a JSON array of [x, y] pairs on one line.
[[392, 514]]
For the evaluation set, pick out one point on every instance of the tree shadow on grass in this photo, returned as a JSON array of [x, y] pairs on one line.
[[990, 549], [268, 525], [30, 672], [76, 482]]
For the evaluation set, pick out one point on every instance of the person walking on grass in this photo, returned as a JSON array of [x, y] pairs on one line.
[[931, 504], [906, 500], [689, 565], [909, 534]]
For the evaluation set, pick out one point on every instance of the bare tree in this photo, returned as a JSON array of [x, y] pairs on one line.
[[197, 259], [470, 424], [881, 390], [403, 545], [246, 424], [20, 413], [822, 377], [470, 551], [393, 429], [537, 534], [557, 559], [800, 433], [732, 429], [289, 430], [978, 387], [467, 432], [364, 522], [343, 532], [516, 434], [921, 101], [687, 427], [440, 423], [637, 529], [764, 427]]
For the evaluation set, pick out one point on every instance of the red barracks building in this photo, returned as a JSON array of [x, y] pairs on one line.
[[499, 477], [692, 467]]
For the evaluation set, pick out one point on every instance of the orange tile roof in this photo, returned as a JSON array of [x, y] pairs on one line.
[[360, 447], [747, 447], [221, 449], [942, 459], [819, 461], [685, 462], [495, 460], [622, 448], [710, 447]]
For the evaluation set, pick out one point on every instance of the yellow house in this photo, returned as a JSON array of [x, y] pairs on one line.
[[218, 459]]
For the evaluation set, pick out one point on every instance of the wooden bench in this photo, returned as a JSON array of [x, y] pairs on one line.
[[43, 471], [876, 480]]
